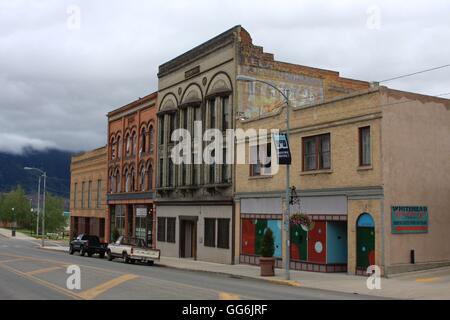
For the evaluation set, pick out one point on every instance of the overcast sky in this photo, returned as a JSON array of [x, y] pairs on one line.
[[60, 75]]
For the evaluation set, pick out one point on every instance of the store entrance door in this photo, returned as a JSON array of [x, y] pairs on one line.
[[188, 236]]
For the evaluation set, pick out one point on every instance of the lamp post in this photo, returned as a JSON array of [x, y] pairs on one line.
[[44, 175], [286, 216], [13, 221]]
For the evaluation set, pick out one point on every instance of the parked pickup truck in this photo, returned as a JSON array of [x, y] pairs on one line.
[[132, 250], [85, 243]]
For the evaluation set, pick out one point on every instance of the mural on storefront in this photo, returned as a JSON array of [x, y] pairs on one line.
[[253, 232], [257, 99], [325, 243]]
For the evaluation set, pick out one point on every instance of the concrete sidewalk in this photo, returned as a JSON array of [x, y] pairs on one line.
[[7, 233], [431, 284]]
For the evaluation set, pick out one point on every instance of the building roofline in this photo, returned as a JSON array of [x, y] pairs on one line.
[[179, 61], [133, 104]]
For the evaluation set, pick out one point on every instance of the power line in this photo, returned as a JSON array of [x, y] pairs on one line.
[[415, 73]]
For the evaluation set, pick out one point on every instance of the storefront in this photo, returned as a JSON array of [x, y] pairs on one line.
[[323, 248], [132, 220]]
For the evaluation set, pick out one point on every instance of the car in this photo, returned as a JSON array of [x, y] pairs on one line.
[[132, 250], [88, 244]]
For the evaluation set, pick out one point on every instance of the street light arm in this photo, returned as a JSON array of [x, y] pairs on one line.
[[36, 169]]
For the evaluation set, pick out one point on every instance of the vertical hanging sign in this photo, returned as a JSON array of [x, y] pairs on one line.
[[282, 148]]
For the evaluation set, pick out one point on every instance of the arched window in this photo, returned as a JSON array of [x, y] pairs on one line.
[[143, 141], [134, 143], [133, 180], [128, 146], [142, 178], [113, 149], [119, 148], [127, 180], [151, 139], [117, 181], [150, 177], [111, 182]]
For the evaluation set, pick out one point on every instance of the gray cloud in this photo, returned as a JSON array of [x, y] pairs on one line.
[[57, 84]]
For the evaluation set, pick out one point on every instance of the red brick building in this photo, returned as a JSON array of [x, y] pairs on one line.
[[131, 170]]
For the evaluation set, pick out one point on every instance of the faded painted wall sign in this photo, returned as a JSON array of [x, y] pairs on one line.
[[257, 99], [409, 219]]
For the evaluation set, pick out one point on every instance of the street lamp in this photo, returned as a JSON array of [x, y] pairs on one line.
[[13, 227], [286, 217], [44, 175]]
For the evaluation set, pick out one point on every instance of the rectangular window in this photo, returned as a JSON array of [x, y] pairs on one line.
[[173, 124], [212, 169], [99, 194], [316, 152], [212, 113], [171, 175], [162, 229], [161, 129], [161, 171], [223, 234], [75, 196], [260, 158], [90, 194], [210, 232], [225, 167], [225, 113], [364, 147], [83, 186], [195, 174], [171, 229]]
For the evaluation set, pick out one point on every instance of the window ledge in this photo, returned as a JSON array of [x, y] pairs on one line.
[[269, 176], [365, 168], [316, 172]]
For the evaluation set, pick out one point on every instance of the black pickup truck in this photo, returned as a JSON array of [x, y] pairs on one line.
[[85, 243]]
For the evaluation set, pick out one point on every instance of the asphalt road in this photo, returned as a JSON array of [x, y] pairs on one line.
[[28, 272]]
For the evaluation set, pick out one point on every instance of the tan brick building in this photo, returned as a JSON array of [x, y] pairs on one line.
[[88, 192], [358, 160]]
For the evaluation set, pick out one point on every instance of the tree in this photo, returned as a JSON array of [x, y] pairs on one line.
[[22, 208], [268, 244], [54, 213]]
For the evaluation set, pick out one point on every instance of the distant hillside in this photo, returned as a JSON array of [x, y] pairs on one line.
[[55, 162]]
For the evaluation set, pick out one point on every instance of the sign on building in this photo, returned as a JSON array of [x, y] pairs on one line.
[[141, 212], [282, 147], [407, 219]]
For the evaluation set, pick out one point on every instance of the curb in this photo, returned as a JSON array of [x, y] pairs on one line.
[[236, 276]]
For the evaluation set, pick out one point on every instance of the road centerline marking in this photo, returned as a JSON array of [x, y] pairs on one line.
[[95, 291], [43, 270], [425, 280], [228, 296]]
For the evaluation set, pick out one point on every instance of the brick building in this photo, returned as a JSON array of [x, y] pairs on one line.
[[130, 161], [370, 168], [88, 192]]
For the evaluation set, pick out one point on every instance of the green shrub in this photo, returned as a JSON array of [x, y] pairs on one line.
[[268, 244], [115, 235]]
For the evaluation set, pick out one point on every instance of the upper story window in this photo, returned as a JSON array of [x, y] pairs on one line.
[[113, 149], [143, 146], [150, 177], [129, 145], [173, 124], [99, 193], [151, 139], [226, 113], [142, 175], [316, 152], [119, 148], [134, 143], [161, 129], [365, 157], [75, 197], [260, 160], [212, 113]]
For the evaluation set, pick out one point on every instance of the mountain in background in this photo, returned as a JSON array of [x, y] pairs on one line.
[[55, 162]]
